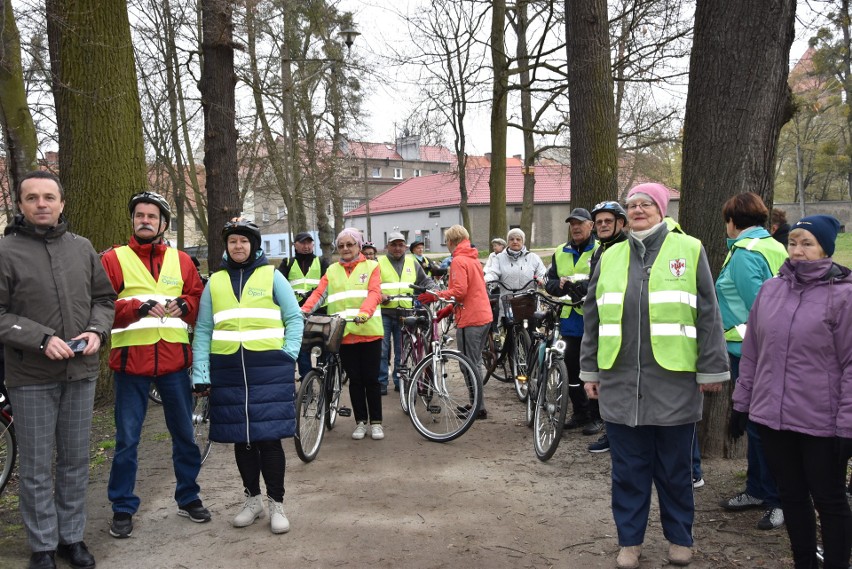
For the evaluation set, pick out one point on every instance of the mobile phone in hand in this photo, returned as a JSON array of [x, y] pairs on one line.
[[77, 346]]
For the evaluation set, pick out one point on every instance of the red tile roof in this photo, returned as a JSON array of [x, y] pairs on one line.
[[552, 185], [387, 150]]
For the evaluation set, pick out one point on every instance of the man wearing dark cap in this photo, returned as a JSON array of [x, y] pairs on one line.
[[571, 263], [304, 272]]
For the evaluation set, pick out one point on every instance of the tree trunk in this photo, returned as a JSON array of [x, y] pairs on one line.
[[737, 101], [99, 122], [528, 205], [15, 117], [594, 159], [497, 176], [220, 132]]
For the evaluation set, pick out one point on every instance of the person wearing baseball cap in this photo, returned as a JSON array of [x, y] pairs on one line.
[[571, 261], [304, 272], [430, 268], [398, 271]]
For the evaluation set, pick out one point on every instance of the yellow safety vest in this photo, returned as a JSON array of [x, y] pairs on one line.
[[305, 283], [347, 293], [139, 284], [774, 253], [393, 283], [253, 321], [672, 302], [565, 267]]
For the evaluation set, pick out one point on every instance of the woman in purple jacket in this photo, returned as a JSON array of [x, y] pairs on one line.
[[796, 384]]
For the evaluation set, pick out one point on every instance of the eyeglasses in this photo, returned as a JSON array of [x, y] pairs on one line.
[[346, 245], [640, 205], [604, 221]]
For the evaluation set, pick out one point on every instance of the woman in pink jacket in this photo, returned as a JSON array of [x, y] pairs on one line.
[[796, 384]]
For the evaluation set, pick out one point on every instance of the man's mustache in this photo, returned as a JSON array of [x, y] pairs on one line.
[[145, 226]]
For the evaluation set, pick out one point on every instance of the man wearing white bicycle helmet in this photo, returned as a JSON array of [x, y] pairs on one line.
[[158, 291]]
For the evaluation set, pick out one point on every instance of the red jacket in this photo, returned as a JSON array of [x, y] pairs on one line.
[[163, 357], [467, 285]]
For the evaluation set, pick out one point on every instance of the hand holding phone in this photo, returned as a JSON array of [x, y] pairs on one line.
[[77, 346]]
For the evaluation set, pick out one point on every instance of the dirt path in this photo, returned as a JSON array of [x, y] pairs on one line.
[[481, 501]]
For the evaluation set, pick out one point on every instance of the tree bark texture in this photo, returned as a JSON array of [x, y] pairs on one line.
[[220, 132], [15, 117], [528, 204], [500, 89], [737, 101], [98, 116], [594, 159]]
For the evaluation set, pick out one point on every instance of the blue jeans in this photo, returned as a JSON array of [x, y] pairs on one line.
[[131, 403], [393, 329], [304, 361], [646, 455], [697, 473]]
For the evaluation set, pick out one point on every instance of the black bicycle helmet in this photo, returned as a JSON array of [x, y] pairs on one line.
[[152, 198], [244, 227], [612, 207]]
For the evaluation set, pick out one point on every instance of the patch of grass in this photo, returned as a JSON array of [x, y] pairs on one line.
[[108, 445], [843, 250], [161, 437]]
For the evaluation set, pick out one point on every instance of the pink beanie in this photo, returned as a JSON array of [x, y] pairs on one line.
[[658, 193]]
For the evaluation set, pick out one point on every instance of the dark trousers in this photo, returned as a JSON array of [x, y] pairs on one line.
[[583, 408], [262, 457], [361, 363], [810, 468], [646, 455]]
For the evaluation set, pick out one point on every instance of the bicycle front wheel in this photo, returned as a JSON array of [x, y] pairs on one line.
[[520, 349], [550, 410], [201, 426], [533, 385], [409, 362], [8, 451], [332, 393], [445, 396], [310, 416]]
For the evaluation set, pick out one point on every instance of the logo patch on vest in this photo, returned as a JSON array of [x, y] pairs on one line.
[[677, 267], [362, 277], [169, 281], [252, 291]]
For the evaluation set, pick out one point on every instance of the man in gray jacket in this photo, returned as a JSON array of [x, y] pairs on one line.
[[56, 307]]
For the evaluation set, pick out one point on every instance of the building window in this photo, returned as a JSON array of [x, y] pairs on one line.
[[397, 173], [355, 171], [282, 211], [265, 215], [282, 247], [519, 209], [377, 172], [173, 224], [418, 173], [267, 247], [434, 214], [349, 204], [443, 236], [434, 171]]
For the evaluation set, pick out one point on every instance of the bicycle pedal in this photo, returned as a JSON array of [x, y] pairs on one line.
[[344, 411], [522, 378], [434, 409]]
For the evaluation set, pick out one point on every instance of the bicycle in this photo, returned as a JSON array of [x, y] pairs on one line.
[[414, 344], [547, 401], [445, 391], [8, 442], [154, 394], [318, 400], [201, 423]]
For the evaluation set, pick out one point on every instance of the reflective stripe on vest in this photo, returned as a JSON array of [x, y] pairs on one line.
[[303, 283], [347, 293], [773, 252], [254, 321], [393, 283], [672, 302], [565, 267], [140, 285]]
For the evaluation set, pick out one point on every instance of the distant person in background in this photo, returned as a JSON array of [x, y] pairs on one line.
[[498, 245], [369, 250], [779, 228], [430, 268]]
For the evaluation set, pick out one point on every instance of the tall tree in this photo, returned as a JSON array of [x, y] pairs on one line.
[[15, 118], [101, 156], [499, 119], [738, 99], [594, 161], [217, 85]]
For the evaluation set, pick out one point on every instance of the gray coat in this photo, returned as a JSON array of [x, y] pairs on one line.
[[51, 283], [637, 390]]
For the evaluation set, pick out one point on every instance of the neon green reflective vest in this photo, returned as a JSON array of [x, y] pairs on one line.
[[305, 283], [672, 302], [254, 321], [393, 283], [565, 267], [347, 293], [139, 284], [774, 253]]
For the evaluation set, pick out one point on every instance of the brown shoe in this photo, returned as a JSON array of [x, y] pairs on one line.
[[680, 555], [628, 557]]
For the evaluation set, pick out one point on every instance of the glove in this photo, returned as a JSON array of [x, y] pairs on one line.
[[361, 318], [146, 307], [844, 448], [201, 388], [426, 297], [737, 426], [184, 307], [444, 312]]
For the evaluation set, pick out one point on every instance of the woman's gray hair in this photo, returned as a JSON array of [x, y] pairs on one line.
[[352, 232], [516, 231]]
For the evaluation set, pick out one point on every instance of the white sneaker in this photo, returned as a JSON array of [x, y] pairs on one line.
[[377, 432], [278, 521], [252, 509], [360, 431]]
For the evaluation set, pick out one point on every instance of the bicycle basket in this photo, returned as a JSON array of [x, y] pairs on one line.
[[325, 331], [523, 307]]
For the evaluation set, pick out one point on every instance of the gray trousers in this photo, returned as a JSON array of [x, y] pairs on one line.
[[471, 341], [48, 416]]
